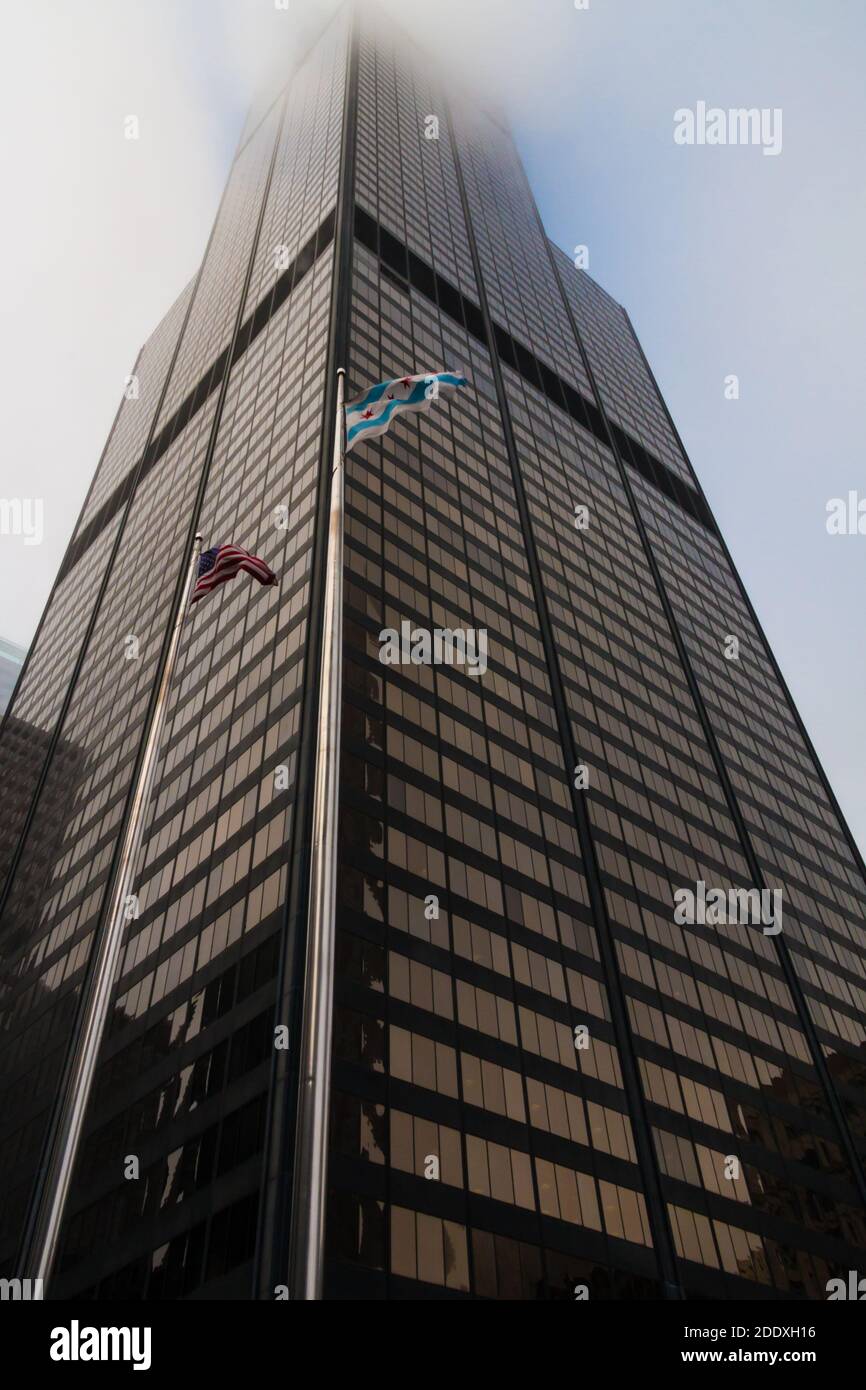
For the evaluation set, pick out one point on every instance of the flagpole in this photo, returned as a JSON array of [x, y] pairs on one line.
[[56, 1178], [310, 1182]]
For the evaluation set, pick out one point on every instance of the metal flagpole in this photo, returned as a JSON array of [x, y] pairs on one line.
[[57, 1176], [308, 1206]]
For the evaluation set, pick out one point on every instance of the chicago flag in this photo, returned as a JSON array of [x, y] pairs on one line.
[[372, 413]]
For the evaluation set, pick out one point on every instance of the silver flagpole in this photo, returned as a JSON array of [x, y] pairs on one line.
[[58, 1176], [308, 1209]]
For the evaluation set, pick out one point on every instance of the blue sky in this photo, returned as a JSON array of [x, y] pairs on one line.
[[728, 261]]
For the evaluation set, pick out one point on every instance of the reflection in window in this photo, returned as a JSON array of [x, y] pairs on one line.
[[427, 1248]]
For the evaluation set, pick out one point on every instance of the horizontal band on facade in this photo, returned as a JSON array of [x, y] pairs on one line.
[[408, 269], [412, 271]]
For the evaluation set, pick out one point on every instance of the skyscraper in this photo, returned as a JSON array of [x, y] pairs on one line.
[[561, 1060]]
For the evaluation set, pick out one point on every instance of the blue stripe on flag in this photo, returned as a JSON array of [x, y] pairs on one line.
[[370, 397], [416, 395]]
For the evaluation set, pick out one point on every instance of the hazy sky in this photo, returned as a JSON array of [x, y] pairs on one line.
[[727, 260]]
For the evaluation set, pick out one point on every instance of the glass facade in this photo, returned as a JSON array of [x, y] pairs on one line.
[[543, 1078], [11, 660]]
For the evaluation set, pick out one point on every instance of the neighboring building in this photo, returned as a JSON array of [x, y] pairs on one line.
[[11, 660], [709, 1138]]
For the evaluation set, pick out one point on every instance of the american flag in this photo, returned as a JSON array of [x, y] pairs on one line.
[[223, 562]]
